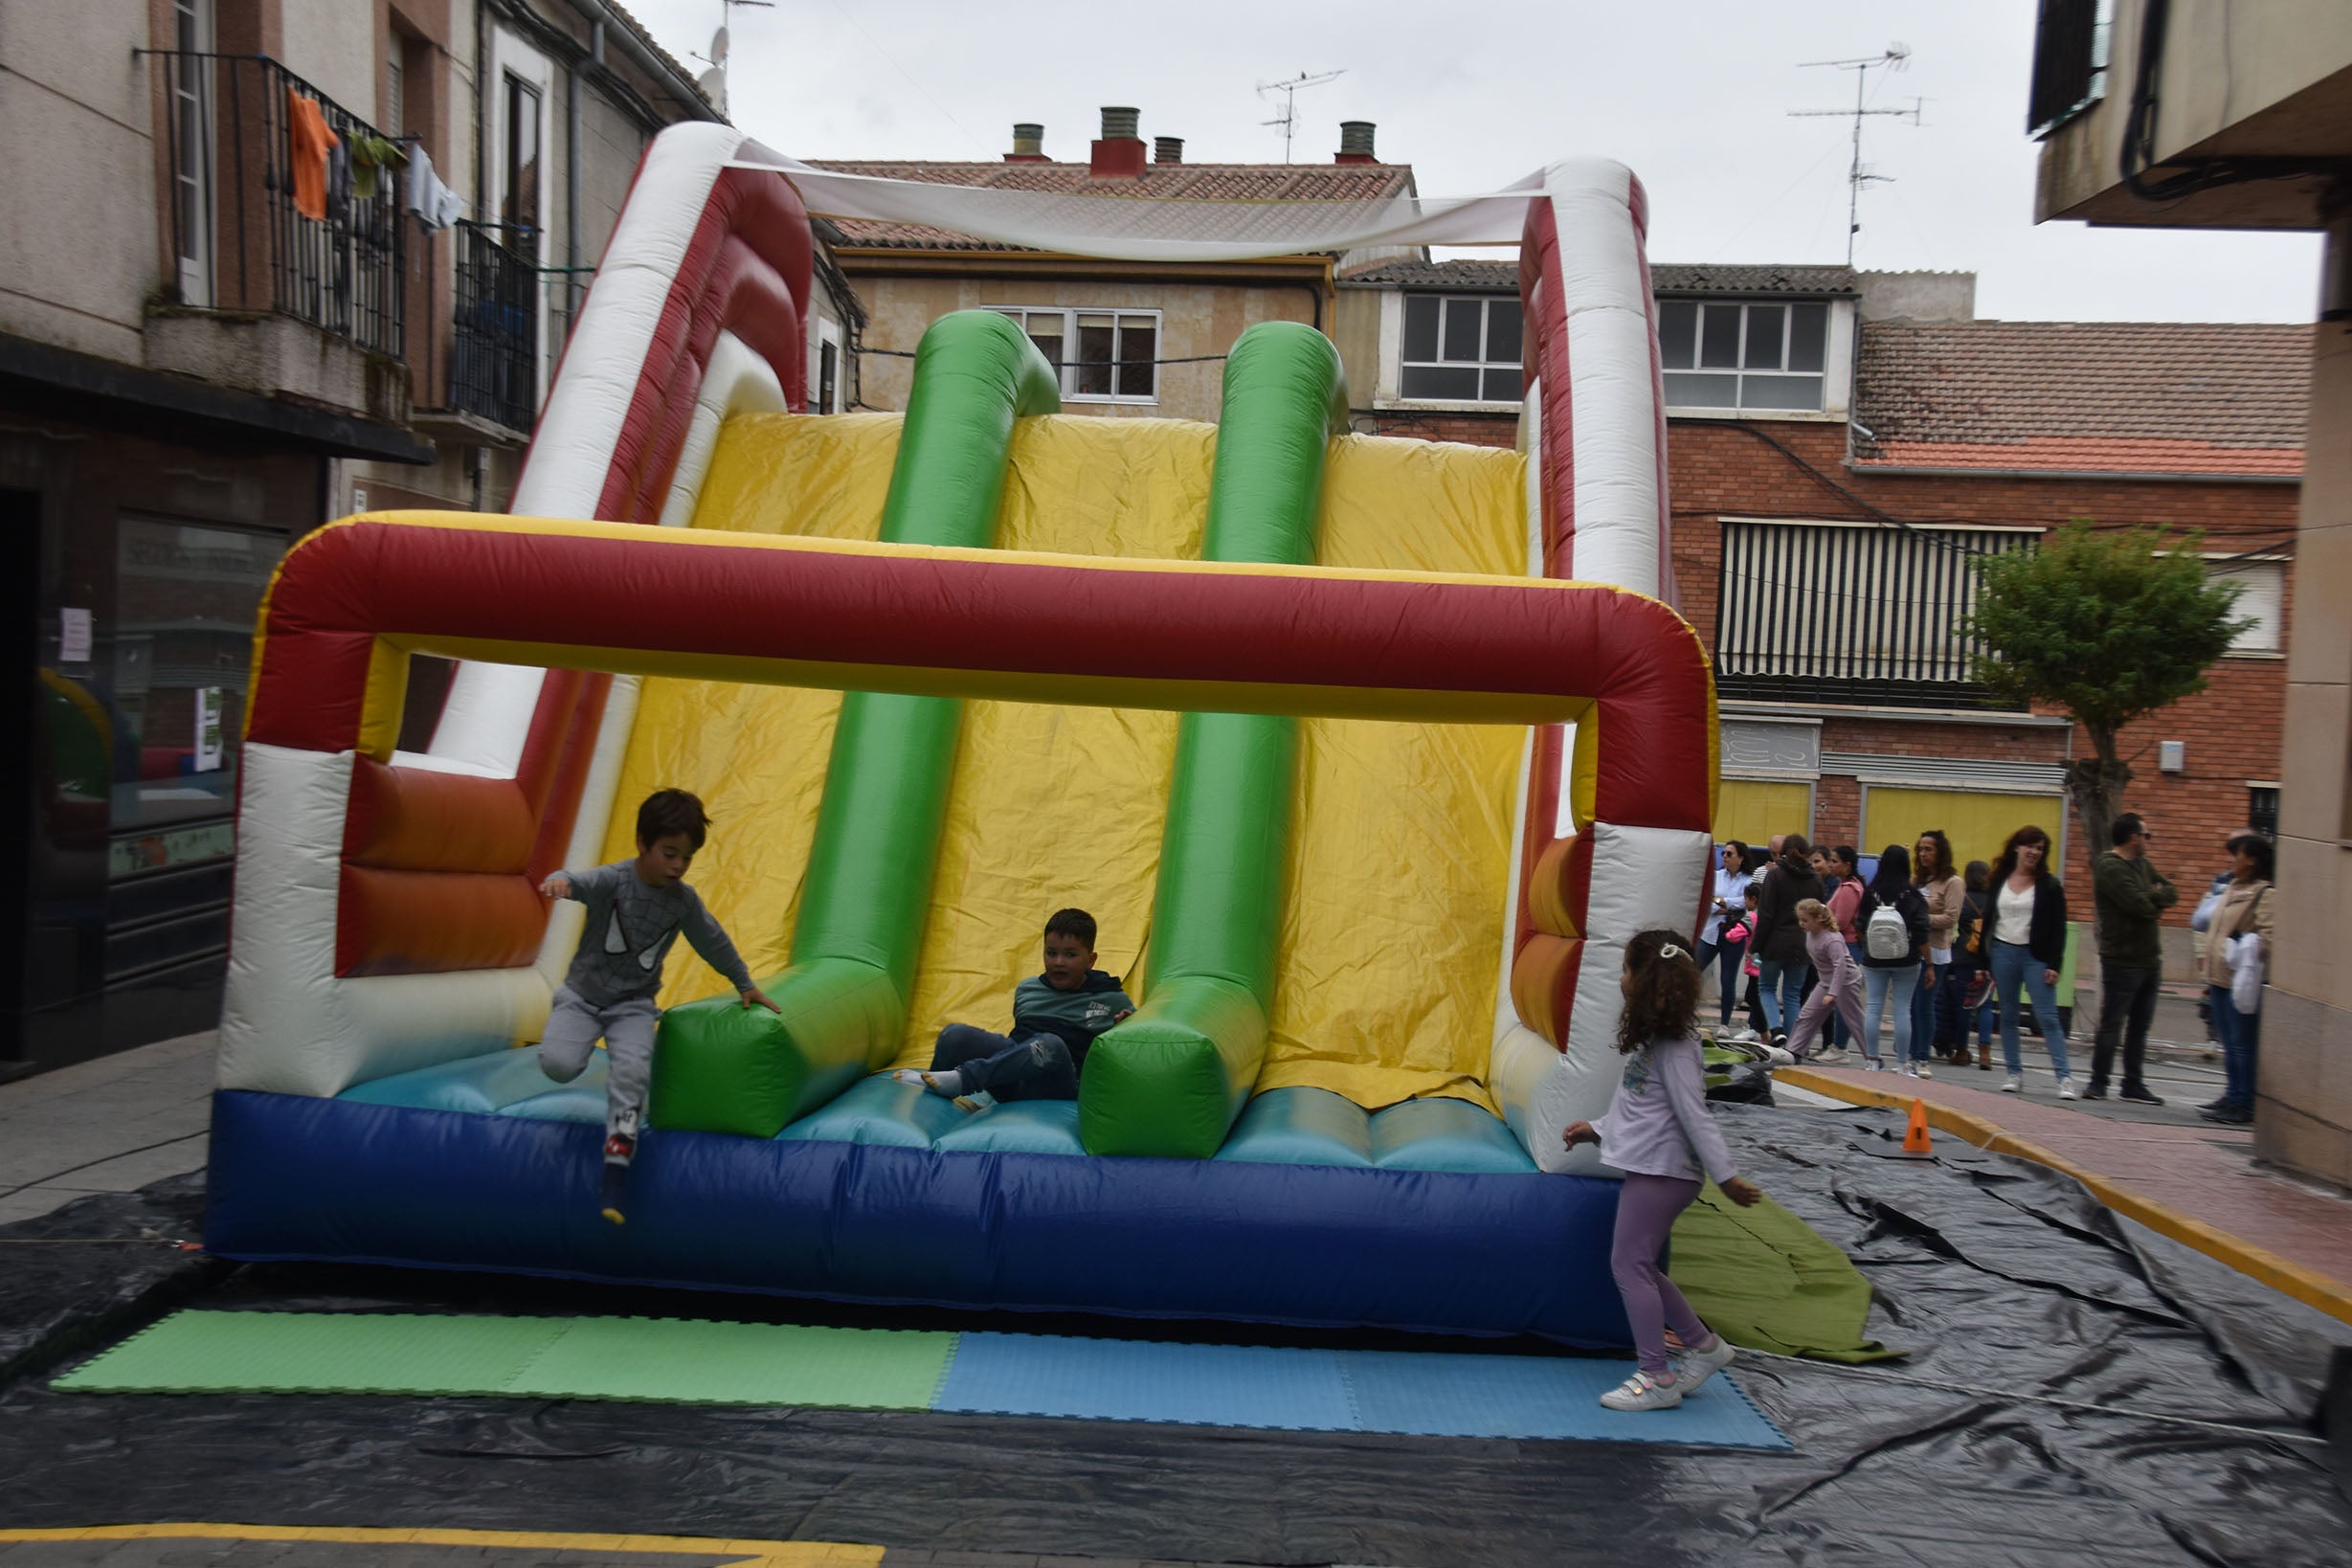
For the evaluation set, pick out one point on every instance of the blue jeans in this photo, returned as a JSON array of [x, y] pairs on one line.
[[1879, 987], [1959, 976], [1780, 987], [2241, 1040], [1727, 976], [2015, 967], [1035, 1068]]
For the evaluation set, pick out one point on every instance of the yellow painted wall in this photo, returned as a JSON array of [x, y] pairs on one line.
[[1977, 822], [1752, 809]]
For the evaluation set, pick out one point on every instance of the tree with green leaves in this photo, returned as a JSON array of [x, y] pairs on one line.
[[2109, 626]]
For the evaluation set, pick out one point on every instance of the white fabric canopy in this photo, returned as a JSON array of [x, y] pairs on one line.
[[1119, 224]]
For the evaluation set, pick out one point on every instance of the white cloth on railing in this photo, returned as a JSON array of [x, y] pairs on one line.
[[435, 204]]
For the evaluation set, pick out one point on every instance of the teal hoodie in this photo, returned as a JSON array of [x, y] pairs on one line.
[[1074, 1017]]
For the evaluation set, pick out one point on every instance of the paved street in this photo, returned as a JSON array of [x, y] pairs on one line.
[[109, 1126]]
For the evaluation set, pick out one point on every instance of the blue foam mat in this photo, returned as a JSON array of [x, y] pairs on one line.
[[1410, 1392]]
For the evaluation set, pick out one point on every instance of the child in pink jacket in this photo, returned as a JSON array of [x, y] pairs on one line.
[[1840, 986]]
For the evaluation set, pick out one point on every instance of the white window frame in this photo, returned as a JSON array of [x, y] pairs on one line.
[[1447, 300], [2219, 567], [1835, 346], [828, 336], [511, 55], [197, 149], [1069, 368]]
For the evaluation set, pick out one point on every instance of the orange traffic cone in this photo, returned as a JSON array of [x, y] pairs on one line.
[[1915, 1136]]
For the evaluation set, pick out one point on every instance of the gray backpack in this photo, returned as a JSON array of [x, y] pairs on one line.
[[1888, 935]]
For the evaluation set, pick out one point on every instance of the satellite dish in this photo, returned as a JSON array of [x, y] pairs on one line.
[[718, 47], [713, 85]]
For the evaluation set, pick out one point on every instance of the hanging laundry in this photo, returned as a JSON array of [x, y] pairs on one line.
[[435, 204], [374, 159], [339, 183], [308, 146]]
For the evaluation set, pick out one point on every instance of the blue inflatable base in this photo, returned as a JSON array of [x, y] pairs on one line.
[[295, 1177]]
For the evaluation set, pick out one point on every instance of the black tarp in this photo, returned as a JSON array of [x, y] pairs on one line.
[[1993, 1272]]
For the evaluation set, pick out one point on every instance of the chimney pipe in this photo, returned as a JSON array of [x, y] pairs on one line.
[[1356, 143], [1167, 149], [1029, 144], [1118, 155]]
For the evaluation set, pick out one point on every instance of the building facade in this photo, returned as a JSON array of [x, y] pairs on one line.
[[2205, 115], [234, 306], [1842, 445], [1131, 338]]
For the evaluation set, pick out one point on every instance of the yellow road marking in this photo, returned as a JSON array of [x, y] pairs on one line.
[[743, 1554]]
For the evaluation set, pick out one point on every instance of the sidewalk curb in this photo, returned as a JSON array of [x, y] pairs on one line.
[[2306, 1284]]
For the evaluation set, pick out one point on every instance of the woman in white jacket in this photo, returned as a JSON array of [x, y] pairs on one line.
[[2245, 911]]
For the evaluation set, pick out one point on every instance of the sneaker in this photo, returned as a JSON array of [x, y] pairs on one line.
[[1830, 1058], [2097, 1091], [1694, 1367], [610, 1194], [620, 1150], [2066, 1088], [2227, 1116], [2014, 1084], [1926, 1071], [1908, 1069], [2214, 1104], [1642, 1392], [2138, 1094], [1873, 1065]]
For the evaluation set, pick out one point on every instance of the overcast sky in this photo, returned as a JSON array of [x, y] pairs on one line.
[[1695, 97]]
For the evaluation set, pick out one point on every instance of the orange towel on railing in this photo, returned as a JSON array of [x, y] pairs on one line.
[[308, 141]]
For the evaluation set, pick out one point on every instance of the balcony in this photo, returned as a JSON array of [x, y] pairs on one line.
[[287, 271], [494, 336]]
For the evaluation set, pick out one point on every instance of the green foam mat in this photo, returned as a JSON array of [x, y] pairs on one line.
[[663, 1359]]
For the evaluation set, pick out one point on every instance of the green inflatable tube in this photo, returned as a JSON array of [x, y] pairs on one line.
[[1172, 1079], [843, 997]]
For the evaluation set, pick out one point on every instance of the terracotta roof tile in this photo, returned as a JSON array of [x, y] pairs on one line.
[[2093, 397], [1194, 182]]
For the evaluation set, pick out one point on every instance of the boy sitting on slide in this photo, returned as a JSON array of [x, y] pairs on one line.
[[1056, 1016], [636, 910]]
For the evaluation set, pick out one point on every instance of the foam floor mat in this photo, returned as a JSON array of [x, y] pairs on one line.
[[673, 1360]]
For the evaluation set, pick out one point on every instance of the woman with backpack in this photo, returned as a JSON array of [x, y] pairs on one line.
[[2244, 911], [1893, 920], [2026, 947], [1778, 945]]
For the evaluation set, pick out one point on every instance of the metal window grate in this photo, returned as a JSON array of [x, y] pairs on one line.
[[230, 147], [1816, 612], [2070, 62], [494, 347]]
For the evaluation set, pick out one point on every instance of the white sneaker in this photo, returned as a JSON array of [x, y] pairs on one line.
[[1828, 1058], [1692, 1368], [1642, 1392], [1873, 1065], [1908, 1071], [1921, 1069], [2014, 1084], [2066, 1088]]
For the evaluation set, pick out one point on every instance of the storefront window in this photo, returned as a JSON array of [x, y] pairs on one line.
[[185, 595]]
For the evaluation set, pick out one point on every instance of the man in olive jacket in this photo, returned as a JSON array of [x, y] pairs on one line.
[[2133, 896]]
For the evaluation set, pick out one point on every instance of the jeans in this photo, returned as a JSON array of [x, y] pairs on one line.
[[1783, 989], [2126, 996], [2241, 1040], [1035, 1068], [1727, 956], [1958, 978], [1880, 986], [1925, 999], [2015, 967]]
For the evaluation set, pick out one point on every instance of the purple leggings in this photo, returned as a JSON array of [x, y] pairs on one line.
[[1646, 1209]]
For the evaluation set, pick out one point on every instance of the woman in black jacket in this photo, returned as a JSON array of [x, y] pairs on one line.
[[2026, 947], [1779, 942], [1890, 968]]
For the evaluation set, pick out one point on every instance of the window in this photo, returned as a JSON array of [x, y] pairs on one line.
[[1461, 349], [2070, 62], [1104, 356], [1827, 612], [519, 201], [191, 83], [395, 93], [185, 598], [2262, 598], [2262, 809], [828, 376], [1749, 357]]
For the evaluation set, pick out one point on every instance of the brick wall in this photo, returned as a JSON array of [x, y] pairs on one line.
[[2232, 731]]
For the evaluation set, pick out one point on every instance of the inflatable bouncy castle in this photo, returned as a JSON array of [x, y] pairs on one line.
[[1368, 754]]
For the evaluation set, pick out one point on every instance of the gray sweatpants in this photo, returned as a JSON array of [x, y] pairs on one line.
[[574, 1024]]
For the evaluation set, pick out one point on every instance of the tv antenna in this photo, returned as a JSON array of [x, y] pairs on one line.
[[712, 82], [1289, 87], [1896, 58]]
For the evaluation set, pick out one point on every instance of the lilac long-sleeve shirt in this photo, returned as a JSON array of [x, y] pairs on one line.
[[1658, 1123]]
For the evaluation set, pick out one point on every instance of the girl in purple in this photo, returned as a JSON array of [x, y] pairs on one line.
[[1840, 988], [1658, 1132]]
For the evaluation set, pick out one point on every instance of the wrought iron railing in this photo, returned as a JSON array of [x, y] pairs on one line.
[[1830, 613], [244, 242], [2070, 62], [494, 341]]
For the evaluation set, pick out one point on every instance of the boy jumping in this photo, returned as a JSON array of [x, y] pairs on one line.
[[1056, 1016], [636, 910]]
